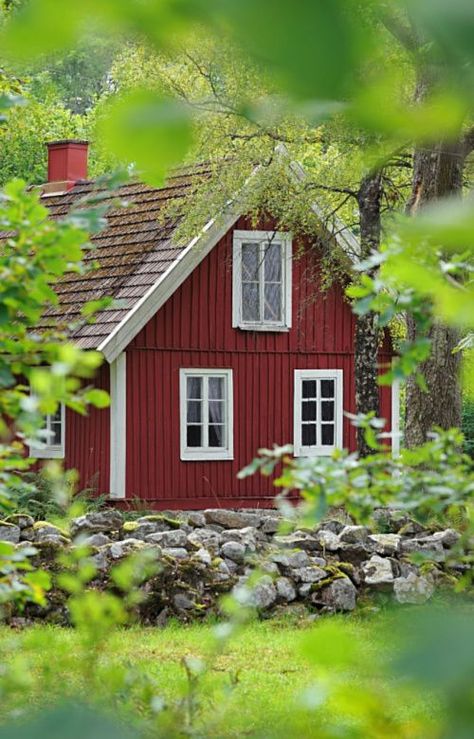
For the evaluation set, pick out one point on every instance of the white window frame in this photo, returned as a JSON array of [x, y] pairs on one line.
[[318, 374], [207, 453], [47, 450], [263, 238]]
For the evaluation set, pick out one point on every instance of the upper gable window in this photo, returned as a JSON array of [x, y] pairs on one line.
[[262, 280]]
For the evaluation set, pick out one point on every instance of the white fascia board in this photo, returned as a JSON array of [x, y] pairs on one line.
[[155, 297]]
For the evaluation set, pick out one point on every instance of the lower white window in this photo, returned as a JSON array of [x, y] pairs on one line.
[[52, 436], [318, 412], [206, 411]]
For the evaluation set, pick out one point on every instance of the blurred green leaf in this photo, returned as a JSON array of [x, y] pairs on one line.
[[378, 107], [439, 648], [331, 645], [315, 46], [447, 223], [70, 720], [451, 24], [149, 130], [38, 28], [98, 398]]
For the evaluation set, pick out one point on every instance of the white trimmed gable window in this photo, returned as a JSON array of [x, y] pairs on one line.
[[206, 410], [52, 436], [261, 279], [318, 412]]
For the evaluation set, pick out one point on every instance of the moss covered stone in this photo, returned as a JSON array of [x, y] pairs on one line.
[[130, 526]]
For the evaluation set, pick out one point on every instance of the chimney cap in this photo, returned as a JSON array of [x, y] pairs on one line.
[[64, 142]]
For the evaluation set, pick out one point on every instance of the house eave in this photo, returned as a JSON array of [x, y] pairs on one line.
[[191, 256], [157, 295]]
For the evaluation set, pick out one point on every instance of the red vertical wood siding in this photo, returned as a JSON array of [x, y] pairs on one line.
[[88, 441], [194, 329]]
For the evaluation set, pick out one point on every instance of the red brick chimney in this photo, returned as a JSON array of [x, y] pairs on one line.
[[67, 164]]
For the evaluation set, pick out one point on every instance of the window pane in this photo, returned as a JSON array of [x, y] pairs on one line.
[[309, 389], [272, 306], [272, 263], [327, 410], [55, 435], [216, 435], [216, 411], [250, 262], [250, 301], [194, 411], [327, 388], [327, 434], [216, 388], [194, 436], [194, 387], [309, 411], [308, 434]]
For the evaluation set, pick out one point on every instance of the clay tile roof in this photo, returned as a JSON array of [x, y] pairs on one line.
[[132, 252]]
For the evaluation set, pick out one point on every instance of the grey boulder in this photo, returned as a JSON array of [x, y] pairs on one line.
[[109, 520], [285, 589], [173, 539], [386, 544], [339, 595], [378, 571], [264, 593], [354, 535], [231, 519], [413, 588], [234, 550], [9, 532], [309, 574]]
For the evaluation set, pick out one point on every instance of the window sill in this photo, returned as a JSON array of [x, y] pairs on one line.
[[316, 452], [46, 453], [263, 327], [206, 456]]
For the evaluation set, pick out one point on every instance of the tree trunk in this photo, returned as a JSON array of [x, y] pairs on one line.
[[437, 173], [367, 333], [441, 405]]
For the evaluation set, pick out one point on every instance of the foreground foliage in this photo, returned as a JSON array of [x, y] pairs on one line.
[[426, 269], [276, 679]]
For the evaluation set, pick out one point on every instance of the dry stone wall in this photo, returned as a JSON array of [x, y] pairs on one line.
[[201, 555]]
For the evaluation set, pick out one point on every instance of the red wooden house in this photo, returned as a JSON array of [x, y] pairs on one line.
[[216, 348]]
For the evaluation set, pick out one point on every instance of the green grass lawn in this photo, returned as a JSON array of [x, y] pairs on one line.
[[271, 680]]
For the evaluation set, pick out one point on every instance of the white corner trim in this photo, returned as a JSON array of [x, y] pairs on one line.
[[206, 453], [283, 237], [395, 419], [118, 426], [165, 286], [324, 374]]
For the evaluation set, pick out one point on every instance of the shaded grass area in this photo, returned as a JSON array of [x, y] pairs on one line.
[[268, 681]]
